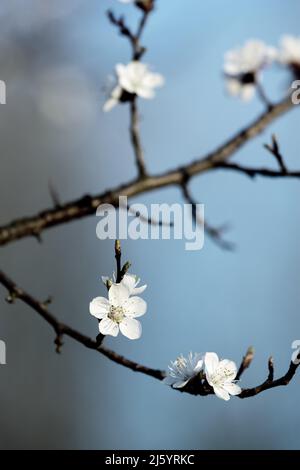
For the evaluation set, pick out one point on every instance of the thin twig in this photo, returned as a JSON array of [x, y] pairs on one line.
[[149, 220], [246, 362], [136, 139], [118, 255], [215, 233], [124, 30], [274, 150], [263, 96], [252, 172], [270, 382]]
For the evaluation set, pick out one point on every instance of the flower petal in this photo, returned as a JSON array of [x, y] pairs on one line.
[[247, 92], [118, 294], [221, 393], [108, 327], [129, 281], [211, 362], [139, 290], [198, 366], [131, 328], [113, 100], [233, 86], [232, 388], [169, 380], [99, 307], [109, 104], [153, 80], [180, 384], [135, 307], [144, 91]]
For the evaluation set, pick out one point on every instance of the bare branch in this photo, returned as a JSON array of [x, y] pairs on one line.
[[270, 382], [194, 387], [31, 226], [61, 329], [136, 140]]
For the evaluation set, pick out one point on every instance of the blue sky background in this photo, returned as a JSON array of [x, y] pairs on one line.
[[55, 64]]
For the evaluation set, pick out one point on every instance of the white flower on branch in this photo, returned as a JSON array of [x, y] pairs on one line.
[[242, 67], [220, 375], [133, 79], [183, 369], [119, 312], [289, 53]]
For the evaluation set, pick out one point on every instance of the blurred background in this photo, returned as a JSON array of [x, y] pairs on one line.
[[55, 58]]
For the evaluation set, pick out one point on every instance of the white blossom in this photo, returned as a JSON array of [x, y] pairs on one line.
[[220, 375], [243, 65], [134, 78], [182, 370], [119, 312], [289, 53]]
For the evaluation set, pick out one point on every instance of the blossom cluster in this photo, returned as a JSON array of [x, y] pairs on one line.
[[243, 66], [118, 313], [220, 374]]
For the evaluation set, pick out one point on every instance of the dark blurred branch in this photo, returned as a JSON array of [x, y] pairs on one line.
[[215, 233], [134, 38], [123, 29], [136, 138], [262, 95], [87, 205], [196, 387], [274, 150]]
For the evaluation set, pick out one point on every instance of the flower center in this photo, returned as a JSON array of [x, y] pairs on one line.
[[181, 363], [247, 78], [220, 376], [116, 314]]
